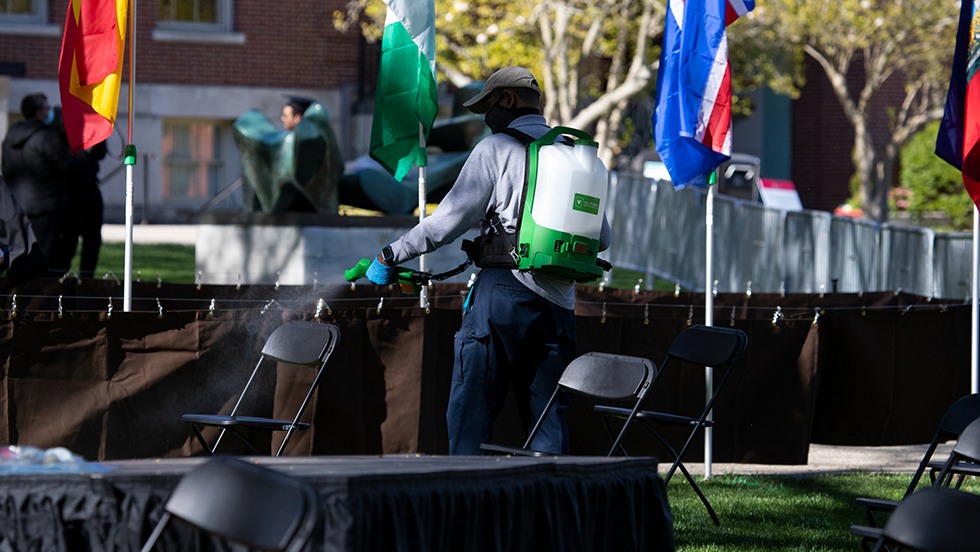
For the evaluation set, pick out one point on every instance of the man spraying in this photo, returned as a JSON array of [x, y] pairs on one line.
[[518, 325]]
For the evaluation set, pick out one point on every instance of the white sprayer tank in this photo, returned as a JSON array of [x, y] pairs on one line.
[[566, 175]]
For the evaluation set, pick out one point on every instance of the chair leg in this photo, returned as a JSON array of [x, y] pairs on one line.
[[212, 450], [200, 439], [612, 436], [244, 440], [157, 530], [697, 490], [677, 464]]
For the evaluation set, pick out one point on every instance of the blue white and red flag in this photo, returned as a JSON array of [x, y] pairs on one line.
[[692, 124], [958, 142]]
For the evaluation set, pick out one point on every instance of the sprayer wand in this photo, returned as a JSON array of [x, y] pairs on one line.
[[410, 281]]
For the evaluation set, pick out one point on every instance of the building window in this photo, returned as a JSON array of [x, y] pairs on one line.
[[195, 15], [23, 11], [192, 168]]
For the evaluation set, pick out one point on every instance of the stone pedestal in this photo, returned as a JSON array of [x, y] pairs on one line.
[[298, 248]]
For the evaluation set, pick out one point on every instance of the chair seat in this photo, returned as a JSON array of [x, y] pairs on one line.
[[866, 532], [881, 504], [513, 451], [961, 467], [651, 415], [254, 422]]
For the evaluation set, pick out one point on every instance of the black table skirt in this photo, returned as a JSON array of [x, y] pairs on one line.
[[402, 503]]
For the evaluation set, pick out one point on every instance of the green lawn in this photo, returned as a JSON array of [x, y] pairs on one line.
[[173, 263], [786, 513]]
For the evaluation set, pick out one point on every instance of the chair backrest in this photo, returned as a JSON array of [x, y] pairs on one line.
[[609, 376], [713, 346], [708, 346], [935, 519], [305, 343], [245, 503], [967, 447], [604, 376], [959, 415], [954, 421], [294, 342]]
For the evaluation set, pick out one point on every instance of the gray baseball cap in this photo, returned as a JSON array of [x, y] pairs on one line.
[[508, 77]]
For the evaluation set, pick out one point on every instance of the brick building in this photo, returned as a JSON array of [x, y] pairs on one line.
[[202, 64], [199, 65]]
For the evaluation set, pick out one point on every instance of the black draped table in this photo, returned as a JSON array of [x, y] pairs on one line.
[[402, 503]]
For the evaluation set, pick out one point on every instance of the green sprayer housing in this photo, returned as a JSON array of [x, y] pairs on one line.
[[563, 207]]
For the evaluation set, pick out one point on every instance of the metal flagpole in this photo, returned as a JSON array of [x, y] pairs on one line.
[[129, 160], [709, 222], [424, 292], [975, 309]]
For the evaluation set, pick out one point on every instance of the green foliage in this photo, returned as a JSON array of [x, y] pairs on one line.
[[934, 184]]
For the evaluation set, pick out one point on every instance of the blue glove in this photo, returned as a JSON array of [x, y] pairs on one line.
[[380, 274]]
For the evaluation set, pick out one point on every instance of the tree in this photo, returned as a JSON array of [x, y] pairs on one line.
[[592, 57], [932, 184], [861, 45]]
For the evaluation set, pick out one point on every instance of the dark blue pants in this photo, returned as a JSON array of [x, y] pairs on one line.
[[510, 336]]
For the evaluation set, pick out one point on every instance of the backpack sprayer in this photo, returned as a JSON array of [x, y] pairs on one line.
[[562, 207], [410, 281]]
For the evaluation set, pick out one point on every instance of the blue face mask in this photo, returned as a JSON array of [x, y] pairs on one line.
[[50, 118]]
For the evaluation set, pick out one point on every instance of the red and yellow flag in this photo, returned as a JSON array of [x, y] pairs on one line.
[[90, 69]]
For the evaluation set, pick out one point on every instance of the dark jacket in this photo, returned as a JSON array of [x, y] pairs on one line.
[[21, 257], [34, 164]]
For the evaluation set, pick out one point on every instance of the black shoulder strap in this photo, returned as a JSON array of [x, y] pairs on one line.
[[521, 137], [525, 139]]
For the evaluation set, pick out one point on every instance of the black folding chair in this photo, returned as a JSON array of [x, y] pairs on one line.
[[956, 418], [935, 519], [600, 376], [301, 343], [964, 459], [243, 503], [696, 347]]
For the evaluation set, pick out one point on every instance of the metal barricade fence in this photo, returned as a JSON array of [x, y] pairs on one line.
[[806, 252], [660, 231], [906, 259], [854, 257], [952, 256]]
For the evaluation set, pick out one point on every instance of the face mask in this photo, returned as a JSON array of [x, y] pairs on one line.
[[50, 118], [498, 118]]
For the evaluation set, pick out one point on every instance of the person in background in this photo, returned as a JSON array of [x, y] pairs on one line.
[[518, 326], [35, 162], [85, 198], [292, 112], [20, 259]]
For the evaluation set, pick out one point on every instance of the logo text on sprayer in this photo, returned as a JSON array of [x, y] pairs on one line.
[[586, 204]]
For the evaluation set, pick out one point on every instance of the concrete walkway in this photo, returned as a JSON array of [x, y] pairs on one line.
[[828, 459], [184, 234]]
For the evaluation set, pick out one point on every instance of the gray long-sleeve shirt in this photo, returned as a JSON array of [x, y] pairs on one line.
[[492, 179]]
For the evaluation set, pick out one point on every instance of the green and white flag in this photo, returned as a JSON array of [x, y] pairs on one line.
[[406, 96]]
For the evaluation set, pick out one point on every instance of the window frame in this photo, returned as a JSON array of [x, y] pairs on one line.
[[38, 15], [217, 163], [224, 14]]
